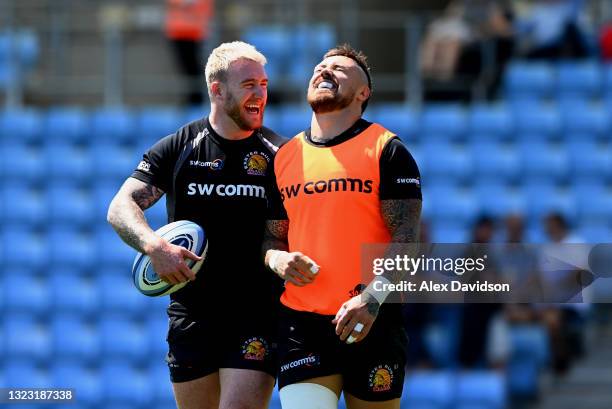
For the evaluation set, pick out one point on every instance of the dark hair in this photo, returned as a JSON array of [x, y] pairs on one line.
[[359, 57], [558, 218]]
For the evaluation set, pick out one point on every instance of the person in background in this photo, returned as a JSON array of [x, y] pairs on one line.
[[187, 27]]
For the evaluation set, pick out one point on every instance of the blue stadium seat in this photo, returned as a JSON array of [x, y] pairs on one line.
[[594, 202], [70, 206], [123, 339], [308, 44], [66, 125], [488, 123], [543, 198], [81, 378], [498, 200], [27, 339], [447, 162], [102, 195], [124, 384], [69, 163], [70, 247], [22, 163], [196, 112], [585, 118], [428, 389], [294, 119], [273, 41], [23, 248], [528, 355], [74, 339], [481, 388], [23, 206], [537, 120], [451, 203], [529, 80], [26, 293], [113, 125], [445, 232], [447, 122], [74, 293], [495, 161], [544, 161], [272, 117], [20, 373], [589, 160], [20, 126], [118, 294], [111, 250], [114, 163], [579, 79], [399, 119], [155, 122]]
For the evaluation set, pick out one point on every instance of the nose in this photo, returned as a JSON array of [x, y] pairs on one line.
[[260, 91]]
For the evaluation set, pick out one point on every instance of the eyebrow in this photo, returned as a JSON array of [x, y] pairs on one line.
[[253, 80]]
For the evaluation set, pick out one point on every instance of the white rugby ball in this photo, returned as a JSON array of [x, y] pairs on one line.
[[181, 233]]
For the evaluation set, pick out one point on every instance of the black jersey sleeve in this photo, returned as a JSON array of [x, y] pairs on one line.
[[276, 209], [399, 173], [157, 164]]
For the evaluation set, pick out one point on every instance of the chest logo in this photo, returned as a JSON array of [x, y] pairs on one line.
[[256, 163], [216, 164]]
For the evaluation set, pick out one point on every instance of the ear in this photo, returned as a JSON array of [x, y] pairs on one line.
[[363, 93], [217, 89]]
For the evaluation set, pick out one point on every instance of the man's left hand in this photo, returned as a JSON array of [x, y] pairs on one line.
[[356, 317]]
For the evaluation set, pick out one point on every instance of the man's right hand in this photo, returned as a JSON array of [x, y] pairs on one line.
[[168, 261], [295, 267]]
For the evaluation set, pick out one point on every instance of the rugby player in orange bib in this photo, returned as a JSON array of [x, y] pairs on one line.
[[341, 183]]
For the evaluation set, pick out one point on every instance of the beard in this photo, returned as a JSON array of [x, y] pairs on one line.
[[232, 109], [322, 104]]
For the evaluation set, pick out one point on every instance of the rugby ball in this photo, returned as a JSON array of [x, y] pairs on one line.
[[181, 233]]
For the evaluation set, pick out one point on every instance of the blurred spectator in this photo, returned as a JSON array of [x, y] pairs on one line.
[[470, 42], [519, 265], [187, 27], [565, 322], [483, 338], [552, 29]]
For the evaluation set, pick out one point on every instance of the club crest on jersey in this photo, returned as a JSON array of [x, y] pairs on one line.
[[255, 349], [256, 163], [381, 378]]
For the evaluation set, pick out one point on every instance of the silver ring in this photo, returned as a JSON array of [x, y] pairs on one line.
[[358, 327], [350, 339]]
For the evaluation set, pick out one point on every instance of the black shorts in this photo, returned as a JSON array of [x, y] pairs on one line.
[[199, 347], [371, 370]]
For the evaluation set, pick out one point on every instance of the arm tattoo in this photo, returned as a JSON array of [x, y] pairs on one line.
[[126, 212], [276, 236], [403, 220], [146, 196]]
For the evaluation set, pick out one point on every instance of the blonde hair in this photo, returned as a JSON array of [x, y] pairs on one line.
[[221, 58]]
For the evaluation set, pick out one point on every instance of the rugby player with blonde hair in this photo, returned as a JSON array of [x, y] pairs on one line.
[[215, 171]]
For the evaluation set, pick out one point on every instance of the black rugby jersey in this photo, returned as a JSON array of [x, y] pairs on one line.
[[223, 186]]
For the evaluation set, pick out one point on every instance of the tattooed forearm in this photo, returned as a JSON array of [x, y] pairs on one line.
[[126, 213], [403, 220], [275, 236]]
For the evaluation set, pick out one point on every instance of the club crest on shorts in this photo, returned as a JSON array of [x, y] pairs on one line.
[[255, 349], [381, 378], [256, 163]]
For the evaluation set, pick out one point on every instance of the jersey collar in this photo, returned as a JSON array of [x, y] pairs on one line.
[[358, 127]]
